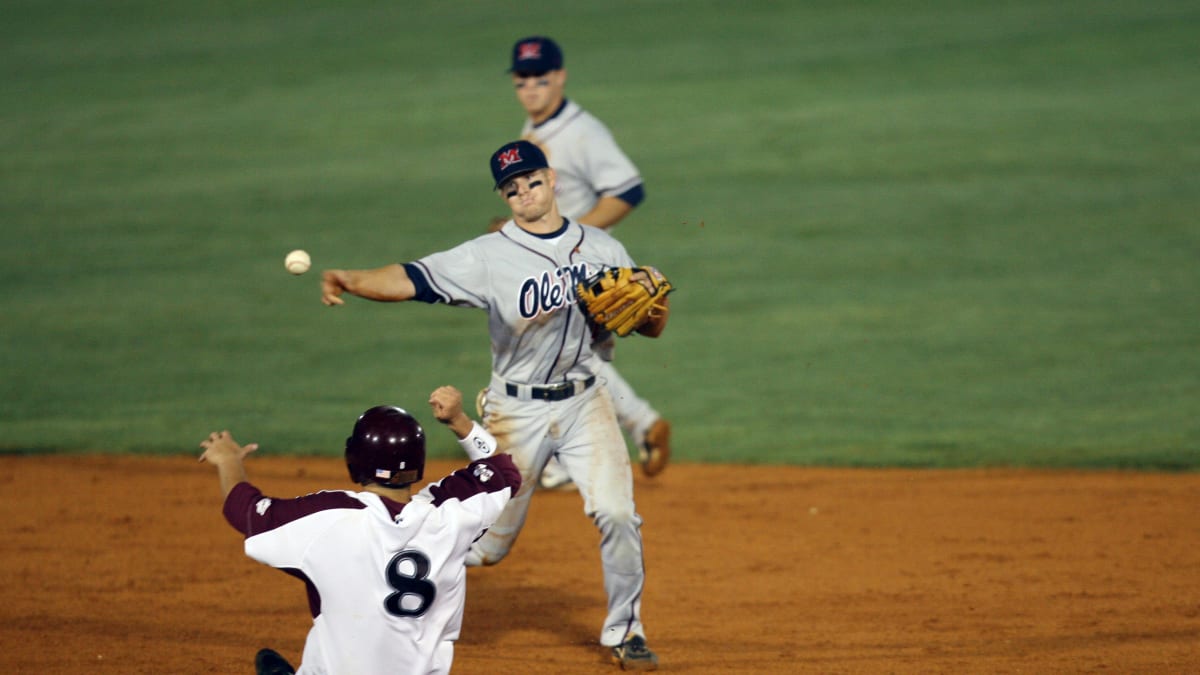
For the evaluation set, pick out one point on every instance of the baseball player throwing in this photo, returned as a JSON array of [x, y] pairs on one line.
[[597, 184], [384, 568], [543, 398]]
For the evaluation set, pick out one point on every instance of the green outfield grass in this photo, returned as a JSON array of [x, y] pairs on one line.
[[917, 233]]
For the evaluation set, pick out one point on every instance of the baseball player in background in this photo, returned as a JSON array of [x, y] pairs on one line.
[[543, 396], [384, 568], [597, 185]]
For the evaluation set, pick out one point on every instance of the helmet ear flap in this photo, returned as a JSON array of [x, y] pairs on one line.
[[350, 461]]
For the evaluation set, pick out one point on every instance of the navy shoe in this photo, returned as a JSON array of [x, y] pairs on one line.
[[269, 662]]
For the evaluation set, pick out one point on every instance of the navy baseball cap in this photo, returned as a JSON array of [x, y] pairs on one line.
[[516, 158], [536, 55]]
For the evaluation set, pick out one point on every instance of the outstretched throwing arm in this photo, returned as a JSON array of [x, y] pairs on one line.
[[383, 284]]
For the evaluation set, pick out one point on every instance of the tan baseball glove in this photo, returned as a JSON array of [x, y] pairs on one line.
[[622, 299]]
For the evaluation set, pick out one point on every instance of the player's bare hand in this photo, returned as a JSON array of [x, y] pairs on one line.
[[645, 277], [333, 284], [220, 446], [446, 403]]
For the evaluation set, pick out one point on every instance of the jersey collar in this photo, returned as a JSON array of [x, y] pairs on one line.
[[561, 107], [551, 235]]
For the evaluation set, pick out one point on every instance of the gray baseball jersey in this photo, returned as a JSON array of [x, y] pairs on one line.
[[586, 157], [526, 282]]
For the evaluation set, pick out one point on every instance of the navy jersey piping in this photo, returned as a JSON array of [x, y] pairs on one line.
[[562, 344], [561, 107], [425, 292], [546, 137]]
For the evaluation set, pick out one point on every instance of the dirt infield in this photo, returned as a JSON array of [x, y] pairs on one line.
[[124, 565]]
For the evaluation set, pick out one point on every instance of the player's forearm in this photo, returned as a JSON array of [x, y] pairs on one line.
[[476, 441], [606, 213], [383, 284], [461, 425], [230, 472]]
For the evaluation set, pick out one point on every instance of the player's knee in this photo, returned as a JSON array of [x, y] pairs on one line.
[[616, 520]]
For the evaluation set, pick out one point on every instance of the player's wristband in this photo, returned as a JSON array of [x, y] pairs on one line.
[[479, 443]]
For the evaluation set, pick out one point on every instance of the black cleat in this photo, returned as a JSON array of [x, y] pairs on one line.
[[633, 654], [269, 662]]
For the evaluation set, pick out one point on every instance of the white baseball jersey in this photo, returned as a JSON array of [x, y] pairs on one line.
[[586, 157], [526, 282], [386, 581]]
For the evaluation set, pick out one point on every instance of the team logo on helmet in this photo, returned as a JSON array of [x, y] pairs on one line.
[[508, 158], [529, 50]]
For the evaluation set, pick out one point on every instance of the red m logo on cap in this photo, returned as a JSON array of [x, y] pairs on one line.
[[529, 50], [508, 158]]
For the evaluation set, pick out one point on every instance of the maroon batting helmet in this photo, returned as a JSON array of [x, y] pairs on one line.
[[386, 448]]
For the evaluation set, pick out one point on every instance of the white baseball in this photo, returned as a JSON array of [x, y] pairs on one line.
[[297, 262]]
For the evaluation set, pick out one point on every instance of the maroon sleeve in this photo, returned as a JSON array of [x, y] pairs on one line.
[[490, 474], [250, 512]]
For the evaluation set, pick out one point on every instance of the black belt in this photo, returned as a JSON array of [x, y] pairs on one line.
[[551, 392]]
